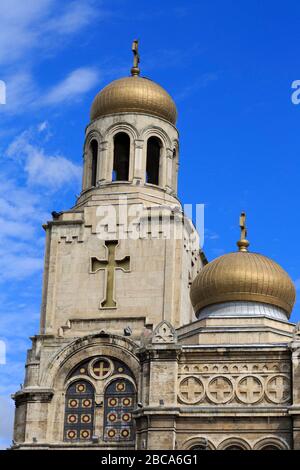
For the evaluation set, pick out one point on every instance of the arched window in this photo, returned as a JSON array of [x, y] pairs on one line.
[[153, 156], [119, 402], [94, 161], [79, 412], [121, 157]]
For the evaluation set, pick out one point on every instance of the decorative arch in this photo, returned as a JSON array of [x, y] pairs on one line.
[[111, 132], [234, 443], [78, 350], [155, 131], [198, 441], [271, 443], [92, 134], [97, 369], [91, 159], [121, 127], [94, 161], [153, 160], [121, 157]]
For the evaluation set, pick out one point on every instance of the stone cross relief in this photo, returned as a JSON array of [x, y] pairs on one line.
[[110, 264]]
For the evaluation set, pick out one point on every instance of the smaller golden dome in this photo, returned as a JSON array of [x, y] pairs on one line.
[[243, 276], [134, 94]]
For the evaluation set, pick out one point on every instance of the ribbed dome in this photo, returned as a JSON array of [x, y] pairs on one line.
[[134, 94], [243, 276]]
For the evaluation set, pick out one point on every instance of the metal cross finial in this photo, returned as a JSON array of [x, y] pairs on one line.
[[243, 226], [136, 58], [243, 242]]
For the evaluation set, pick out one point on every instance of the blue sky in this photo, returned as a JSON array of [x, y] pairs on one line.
[[229, 66]]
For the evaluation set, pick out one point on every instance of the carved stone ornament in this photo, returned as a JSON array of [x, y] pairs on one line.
[[164, 333]]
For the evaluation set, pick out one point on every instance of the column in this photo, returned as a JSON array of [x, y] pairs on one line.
[[139, 168]]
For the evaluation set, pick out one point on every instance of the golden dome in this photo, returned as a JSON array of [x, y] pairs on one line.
[[243, 276], [134, 94]]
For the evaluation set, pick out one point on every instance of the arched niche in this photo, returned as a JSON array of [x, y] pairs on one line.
[[91, 160], [234, 443], [94, 161], [271, 443], [153, 160], [121, 157], [198, 443]]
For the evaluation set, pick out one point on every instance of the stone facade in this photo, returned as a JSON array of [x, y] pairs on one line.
[[121, 362]]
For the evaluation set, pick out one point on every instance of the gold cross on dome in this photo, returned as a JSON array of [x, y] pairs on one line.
[[136, 58], [243, 242], [243, 226], [110, 265]]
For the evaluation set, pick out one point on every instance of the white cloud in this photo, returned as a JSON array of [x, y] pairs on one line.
[[6, 421], [23, 205], [32, 30], [76, 15], [73, 86], [18, 203], [20, 217], [19, 26], [21, 92], [19, 267], [12, 321], [12, 228], [43, 126], [49, 171], [201, 82], [211, 235], [31, 25]]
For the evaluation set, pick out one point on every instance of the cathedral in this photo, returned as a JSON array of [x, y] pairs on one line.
[[143, 343]]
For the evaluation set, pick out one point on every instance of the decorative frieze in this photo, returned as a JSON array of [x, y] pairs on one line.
[[222, 384]]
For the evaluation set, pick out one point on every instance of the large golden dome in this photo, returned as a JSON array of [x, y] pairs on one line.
[[243, 276], [134, 94]]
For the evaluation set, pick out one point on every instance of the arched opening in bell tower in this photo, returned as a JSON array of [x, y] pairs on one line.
[[154, 146], [94, 161], [121, 157]]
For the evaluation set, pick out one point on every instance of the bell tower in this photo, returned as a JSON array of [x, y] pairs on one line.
[[117, 266], [121, 362], [122, 255]]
